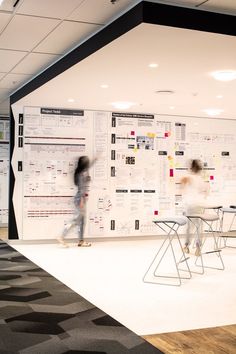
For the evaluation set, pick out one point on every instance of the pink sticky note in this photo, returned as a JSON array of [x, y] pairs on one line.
[[155, 212], [171, 172], [211, 178], [132, 132]]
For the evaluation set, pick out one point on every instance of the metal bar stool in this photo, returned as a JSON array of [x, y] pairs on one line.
[[170, 226], [197, 220], [230, 233], [216, 209]]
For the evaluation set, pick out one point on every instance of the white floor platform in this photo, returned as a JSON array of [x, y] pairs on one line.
[[109, 275]]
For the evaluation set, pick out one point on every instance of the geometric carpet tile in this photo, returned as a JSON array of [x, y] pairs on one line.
[[107, 321], [22, 294], [82, 352], [40, 315], [36, 327], [9, 277]]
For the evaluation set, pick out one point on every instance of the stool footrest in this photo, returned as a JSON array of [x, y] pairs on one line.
[[212, 251], [184, 260], [228, 236]]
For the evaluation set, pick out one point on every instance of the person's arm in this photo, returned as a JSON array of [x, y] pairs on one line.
[[184, 181], [94, 160]]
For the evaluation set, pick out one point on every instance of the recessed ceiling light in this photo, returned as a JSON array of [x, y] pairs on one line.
[[1, 1], [71, 100], [172, 107], [213, 111], [153, 65], [219, 96], [123, 104], [224, 75], [104, 86]]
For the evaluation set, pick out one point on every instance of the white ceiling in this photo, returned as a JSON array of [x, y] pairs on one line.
[[36, 33], [123, 66]]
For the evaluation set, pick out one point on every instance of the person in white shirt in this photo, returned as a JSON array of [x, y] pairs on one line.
[[194, 191]]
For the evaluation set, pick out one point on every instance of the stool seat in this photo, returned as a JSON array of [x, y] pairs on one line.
[[228, 210], [213, 206], [179, 220], [204, 217], [233, 206]]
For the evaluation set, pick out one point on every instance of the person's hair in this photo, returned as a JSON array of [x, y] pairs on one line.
[[196, 166], [83, 164]]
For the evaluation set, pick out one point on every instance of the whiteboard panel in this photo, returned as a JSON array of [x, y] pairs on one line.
[[140, 160]]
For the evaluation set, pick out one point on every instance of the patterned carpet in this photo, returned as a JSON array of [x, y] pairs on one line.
[[39, 314]]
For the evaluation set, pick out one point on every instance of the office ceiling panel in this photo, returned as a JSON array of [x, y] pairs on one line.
[[3, 94], [7, 5], [34, 32], [5, 107], [9, 58], [12, 81], [48, 8], [25, 32], [34, 63], [186, 74], [4, 19], [65, 36], [99, 11], [227, 6]]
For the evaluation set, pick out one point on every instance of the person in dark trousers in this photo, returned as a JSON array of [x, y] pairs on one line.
[[81, 180]]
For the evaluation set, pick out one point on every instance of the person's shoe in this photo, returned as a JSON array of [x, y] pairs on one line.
[[62, 242], [186, 249], [198, 251], [84, 244]]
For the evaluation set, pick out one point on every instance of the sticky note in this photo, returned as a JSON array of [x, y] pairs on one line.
[[211, 178], [171, 172], [132, 132], [155, 212], [151, 135]]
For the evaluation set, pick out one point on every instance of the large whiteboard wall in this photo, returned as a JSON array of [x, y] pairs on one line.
[[141, 158], [4, 170]]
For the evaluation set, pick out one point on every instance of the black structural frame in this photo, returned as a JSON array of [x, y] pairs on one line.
[[143, 12]]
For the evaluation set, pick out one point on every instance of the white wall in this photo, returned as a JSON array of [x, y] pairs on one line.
[[4, 168], [136, 177]]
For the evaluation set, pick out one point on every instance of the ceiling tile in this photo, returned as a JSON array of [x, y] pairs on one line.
[[99, 11], [34, 63], [1, 75], [12, 81], [4, 93], [9, 58], [227, 6], [5, 107], [25, 32], [45, 8], [7, 5], [4, 19], [66, 36]]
